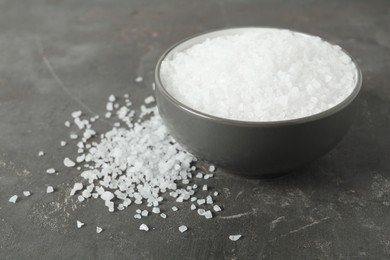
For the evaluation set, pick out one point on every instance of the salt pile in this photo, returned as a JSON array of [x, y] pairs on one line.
[[261, 75]]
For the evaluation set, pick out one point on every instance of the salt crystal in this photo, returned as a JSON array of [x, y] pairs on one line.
[[68, 162], [67, 123], [76, 114], [107, 115], [73, 136], [201, 201], [13, 199], [294, 67], [63, 143], [99, 230], [235, 237], [199, 175], [80, 224], [209, 200], [201, 212], [175, 208], [215, 193], [211, 168], [193, 207], [76, 187], [208, 214], [149, 100], [145, 213], [204, 187], [26, 193], [137, 216], [193, 199], [217, 208], [50, 171], [41, 153], [144, 227], [49, 189], [183, 228], [139, 79], [156, 210], [80, 198], [111, 98]]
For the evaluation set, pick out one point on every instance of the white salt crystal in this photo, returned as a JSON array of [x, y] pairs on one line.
[[107, 196], [49, 189], [80, 198], [107, 115], [41, 153], [68, 162], [183, 228], [217, 208], [26, 193], [62, 143], [163, 215], [201, 201], [99, 230], [109, 106], [193, 199], [139, 79], [260, 75], [76, 114], [145, 213], [137, 216], [235, 237], [80, 224], [211, 168], [67, 123], [175, 208], [156, 210], [76, 187], [208, 214], [193, 207], [50, 171], [73, 136], [215, 193], [209, 200], [144, 227], [201, 212], [13, 199], [149, 100], [138, 211], [204, 187], [111, 98], [199, 175]]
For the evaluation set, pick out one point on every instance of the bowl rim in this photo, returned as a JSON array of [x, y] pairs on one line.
[[348, 100]]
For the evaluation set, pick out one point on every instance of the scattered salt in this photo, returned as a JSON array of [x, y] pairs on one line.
[[67, 123], [51, 171], [175, 208], [183, 228], [149, 100], [62, 143], [217, 208], [204, 187], [13, 199], [68, 162], [208, 214], [41, 153], [144, 227], [139, 79], [163, 215], [99, 230], [49, 189], [26, 193], [235, 237], [80, 224], [193, 207], [211, 168]]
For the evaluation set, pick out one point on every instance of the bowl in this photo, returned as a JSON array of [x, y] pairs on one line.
[[262, 149]]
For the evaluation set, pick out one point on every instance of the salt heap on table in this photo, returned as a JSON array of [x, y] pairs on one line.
[[261, 75]]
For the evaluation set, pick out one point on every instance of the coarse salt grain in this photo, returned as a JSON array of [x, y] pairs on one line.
[[183, 228], [217, 208], [144, 227], [26, 193], [235, 237], [13, 199], [139, 79], [79, 224], [68, 162], [41, 153], [49, 189], [51, 171], [260, 75], [99, 230]]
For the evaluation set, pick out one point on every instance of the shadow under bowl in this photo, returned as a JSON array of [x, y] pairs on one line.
[[257, 149]]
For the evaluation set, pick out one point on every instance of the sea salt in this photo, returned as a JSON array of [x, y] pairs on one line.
[[26, 193], [41, 153], [260, 75], [99, 230], [51, 171], [139, 79], [235, 237], [144, 227], [49, 189], [217, 208], [183, 228], [13, 199], [68, 162], [80, 224]]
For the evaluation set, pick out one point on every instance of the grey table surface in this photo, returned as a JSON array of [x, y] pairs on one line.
[[58, 56]]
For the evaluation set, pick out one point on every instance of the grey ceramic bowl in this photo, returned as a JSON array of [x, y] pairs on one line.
[[261, 149]]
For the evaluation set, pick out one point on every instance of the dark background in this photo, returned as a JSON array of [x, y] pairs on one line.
[[60, 56]]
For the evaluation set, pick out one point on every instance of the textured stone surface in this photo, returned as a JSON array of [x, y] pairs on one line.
[[58, 56]]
